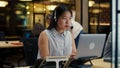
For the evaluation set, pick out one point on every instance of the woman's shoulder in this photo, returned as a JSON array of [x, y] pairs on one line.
[[45, 32]]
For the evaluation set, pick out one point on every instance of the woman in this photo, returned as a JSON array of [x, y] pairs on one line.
[[56, 40]]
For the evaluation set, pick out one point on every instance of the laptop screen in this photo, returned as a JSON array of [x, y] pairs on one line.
[[90, 45]]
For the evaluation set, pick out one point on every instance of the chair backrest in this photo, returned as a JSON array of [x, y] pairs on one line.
[[2, 36], [27, 34], [30, 49]]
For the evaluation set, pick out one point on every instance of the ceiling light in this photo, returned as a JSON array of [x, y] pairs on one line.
[[50, 7], [3, 3], [28, 12], [105, 5], [18, 12], [25, 0], [91, 3], [96, 11]]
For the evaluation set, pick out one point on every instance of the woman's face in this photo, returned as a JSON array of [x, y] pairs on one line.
[[64, 21]]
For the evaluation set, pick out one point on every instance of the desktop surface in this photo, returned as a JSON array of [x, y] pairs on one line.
[[97, 63]]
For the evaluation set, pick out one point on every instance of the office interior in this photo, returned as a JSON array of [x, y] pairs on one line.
[[96, 17]]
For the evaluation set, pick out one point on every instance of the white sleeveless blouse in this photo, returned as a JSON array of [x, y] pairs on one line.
[[59, 44]]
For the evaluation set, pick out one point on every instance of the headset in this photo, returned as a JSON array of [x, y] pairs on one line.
[[55, 16]]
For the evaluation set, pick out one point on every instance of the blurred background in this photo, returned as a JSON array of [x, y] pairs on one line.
[[19, 16]]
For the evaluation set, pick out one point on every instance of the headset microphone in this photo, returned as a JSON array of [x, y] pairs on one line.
[[71, 27]]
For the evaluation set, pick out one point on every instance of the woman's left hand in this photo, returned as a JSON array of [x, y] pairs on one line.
[[73, 55]]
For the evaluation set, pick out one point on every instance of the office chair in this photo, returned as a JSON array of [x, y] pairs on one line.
[[30, 49], [27, 34]]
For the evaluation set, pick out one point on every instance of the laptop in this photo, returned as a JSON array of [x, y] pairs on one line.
[[90, 45]]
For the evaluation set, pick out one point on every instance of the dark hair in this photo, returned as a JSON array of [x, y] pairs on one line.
[[58, 11]]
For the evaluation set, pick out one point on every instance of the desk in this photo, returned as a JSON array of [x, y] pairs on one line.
[[11, 47], [99, 63], [10, 44]]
